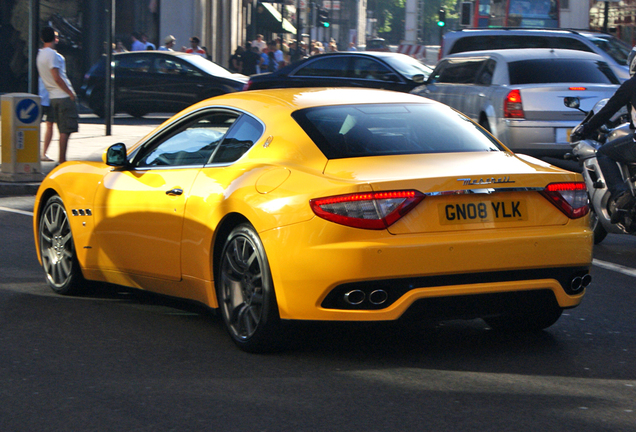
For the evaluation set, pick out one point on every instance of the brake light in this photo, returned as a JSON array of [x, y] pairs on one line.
[[513, 107], [372, 210], [578, 88], [247, 85], [571, 198]]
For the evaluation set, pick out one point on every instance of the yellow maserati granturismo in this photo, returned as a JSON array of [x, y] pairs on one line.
[[322, 204]]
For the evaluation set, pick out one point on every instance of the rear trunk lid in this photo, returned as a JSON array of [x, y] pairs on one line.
[[464, 191]]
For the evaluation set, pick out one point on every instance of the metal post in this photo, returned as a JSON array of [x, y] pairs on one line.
[[109, 74], [606, 18], [34, 42]]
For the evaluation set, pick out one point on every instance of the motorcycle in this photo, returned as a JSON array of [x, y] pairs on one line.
[[584, 151]]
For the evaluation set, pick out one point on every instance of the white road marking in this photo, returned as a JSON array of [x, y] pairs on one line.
[[22, 212], [615, 267]]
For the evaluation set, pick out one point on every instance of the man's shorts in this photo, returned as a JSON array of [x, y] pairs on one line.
[[48, 115], [65, 112]]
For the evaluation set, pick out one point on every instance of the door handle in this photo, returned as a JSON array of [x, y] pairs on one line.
[[174, 192]]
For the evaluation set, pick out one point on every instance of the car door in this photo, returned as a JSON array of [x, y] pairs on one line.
[[139, 209], [132, 81], [179, 84]]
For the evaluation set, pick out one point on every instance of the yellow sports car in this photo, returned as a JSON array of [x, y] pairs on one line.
[[322, 204]]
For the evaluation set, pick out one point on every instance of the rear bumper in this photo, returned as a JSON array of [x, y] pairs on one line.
[[536, 138], [312, 272]]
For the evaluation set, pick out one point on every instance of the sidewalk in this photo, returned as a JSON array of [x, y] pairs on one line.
[[87, 144]]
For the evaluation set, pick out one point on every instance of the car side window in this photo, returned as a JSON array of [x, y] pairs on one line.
[[486, 73], [461, 72], [570, 43], [133, 64], [170, 66], [328, 66], [191, 144], [240, 138], [365, 68]]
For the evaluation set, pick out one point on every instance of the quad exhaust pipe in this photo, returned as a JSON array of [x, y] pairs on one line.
[[357, 297]]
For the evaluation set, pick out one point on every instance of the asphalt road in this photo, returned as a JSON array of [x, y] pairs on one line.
[[120, 360]]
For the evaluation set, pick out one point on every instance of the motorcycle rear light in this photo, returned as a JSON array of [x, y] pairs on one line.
[[369, 210], [571, 198], [513, 107]]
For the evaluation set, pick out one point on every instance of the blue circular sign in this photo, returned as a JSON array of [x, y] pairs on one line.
[[27, 111]]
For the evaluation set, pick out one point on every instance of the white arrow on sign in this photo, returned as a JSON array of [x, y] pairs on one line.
[[26, 112]]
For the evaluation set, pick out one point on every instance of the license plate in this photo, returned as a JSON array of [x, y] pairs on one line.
[[483, 212], [563, 135]]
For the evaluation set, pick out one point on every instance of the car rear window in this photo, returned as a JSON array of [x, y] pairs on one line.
[[544, 71], [392, 129]]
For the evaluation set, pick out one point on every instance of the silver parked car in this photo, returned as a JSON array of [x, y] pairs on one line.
[[518, 95]]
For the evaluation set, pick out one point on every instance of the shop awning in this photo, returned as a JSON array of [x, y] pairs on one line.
[[270, 18]]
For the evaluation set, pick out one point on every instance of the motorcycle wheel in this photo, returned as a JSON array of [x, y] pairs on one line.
[[597, 227]]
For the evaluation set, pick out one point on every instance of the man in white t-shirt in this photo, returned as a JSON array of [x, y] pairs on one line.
[[52, 69]]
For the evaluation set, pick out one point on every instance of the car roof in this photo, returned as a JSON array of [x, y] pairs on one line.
[[511, 55], [151, 52], [380, 54], [518, 30]]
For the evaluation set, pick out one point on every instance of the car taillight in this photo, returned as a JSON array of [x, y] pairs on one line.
[[369, 210], [570, 198], [247, 85], [513, 108]]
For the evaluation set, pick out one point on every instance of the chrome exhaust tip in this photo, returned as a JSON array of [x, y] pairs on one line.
[[378, 297], [576, 284], [354, 297], [586, 280]]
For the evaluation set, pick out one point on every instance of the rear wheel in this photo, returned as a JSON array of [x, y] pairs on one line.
[[597, 227], [483, 122], [245, 293], [530, 320], [57, 249]]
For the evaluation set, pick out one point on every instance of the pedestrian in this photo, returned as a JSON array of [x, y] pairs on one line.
[[147, 45], [236, 60], [250, 59], [352, 46], [168, 43], [263, 62], [119, 47], [137, 44], [195, 48], [275, 56], [52, 69], [259, 43], [47, 118]]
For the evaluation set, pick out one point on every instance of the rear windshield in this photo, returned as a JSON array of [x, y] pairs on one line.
[[544, 71], [392, 129]]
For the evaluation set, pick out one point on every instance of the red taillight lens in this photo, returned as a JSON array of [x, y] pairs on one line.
[[372, 210], [513, 107], [247, 85], [578, 88], [570, 198]]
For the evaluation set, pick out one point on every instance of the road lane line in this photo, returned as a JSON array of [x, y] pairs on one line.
[[615, 267], [22, 212]]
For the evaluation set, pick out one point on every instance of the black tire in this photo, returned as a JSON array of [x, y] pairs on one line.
[[245, 293], [57, 250], [597, 227], [483, 122], [525, 321], [96, 103], [136, 112]]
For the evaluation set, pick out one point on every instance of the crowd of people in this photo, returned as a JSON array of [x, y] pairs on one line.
[[259, 56], [255, 57]]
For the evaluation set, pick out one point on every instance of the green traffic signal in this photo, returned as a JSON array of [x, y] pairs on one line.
[[441, 20]]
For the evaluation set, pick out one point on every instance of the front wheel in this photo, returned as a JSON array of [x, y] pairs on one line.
[[57, 249], [245, 293]]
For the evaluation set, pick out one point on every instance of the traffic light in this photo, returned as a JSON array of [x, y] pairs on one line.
[[323, 17], [441, 21]]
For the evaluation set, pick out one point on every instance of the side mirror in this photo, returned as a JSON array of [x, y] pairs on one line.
[[572, 102], [419, 78], [116, 156]]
